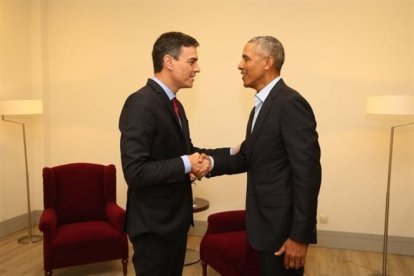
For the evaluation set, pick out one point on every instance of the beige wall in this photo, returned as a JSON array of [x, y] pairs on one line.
[[20, 78], [88, 56]]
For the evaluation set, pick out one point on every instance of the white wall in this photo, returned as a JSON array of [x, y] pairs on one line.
[[93, 54]]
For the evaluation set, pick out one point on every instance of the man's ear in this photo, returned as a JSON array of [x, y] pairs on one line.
[[270, 62], [168, 62]]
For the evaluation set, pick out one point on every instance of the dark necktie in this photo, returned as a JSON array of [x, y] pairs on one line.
[[175, 106]]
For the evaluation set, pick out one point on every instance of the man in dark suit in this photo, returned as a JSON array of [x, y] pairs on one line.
[[281, 155], [158, 157]]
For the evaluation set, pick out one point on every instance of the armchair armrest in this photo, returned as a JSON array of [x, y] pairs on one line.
[[48, 223], [227, 221], [115, 216]]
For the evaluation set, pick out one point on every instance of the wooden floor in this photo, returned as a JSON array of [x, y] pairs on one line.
[[27, 260]]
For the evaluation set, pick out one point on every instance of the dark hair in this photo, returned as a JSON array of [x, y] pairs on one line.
[[170, 44]]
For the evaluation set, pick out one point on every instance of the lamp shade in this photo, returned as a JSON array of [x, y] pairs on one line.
[[21, 107], [391, 104]]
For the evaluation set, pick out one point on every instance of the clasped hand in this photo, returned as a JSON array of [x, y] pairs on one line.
[[200, 164]]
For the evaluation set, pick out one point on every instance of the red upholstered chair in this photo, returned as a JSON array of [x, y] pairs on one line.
[[225, 248], [81, 221]]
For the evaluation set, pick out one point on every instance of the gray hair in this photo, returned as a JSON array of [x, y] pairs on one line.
[[270, 46]]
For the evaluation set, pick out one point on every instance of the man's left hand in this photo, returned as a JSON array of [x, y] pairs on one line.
[[295, 254]]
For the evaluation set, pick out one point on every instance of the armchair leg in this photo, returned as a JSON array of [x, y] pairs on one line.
[[124, 266], [48, 273], [204, 266]]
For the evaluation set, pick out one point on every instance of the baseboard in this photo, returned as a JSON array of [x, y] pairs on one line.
[[365, 242], [346, 240], [13, 225]]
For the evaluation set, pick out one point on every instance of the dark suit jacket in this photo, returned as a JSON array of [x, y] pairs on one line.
[[281, 158], [159, 196]]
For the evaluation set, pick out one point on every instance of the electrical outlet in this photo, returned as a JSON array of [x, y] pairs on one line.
[[323, 219]]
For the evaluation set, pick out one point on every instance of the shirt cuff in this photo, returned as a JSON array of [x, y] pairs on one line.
[[187, 164], [211, 163]]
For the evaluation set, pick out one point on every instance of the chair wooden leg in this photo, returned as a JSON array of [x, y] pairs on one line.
[[124, 266], [204, 265]]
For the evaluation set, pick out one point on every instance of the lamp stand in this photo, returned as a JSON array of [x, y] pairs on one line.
[[30, 238], [387, 205]]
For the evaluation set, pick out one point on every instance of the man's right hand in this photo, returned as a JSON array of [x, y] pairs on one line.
[[200, 164]]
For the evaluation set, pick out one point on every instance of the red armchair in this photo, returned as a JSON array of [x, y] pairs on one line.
[[81, 221], [225, 248]]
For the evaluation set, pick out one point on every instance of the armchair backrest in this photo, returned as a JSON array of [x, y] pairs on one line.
[[79, 191]]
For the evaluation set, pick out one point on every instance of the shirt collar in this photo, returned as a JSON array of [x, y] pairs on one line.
[[167, 91], [261, 96]]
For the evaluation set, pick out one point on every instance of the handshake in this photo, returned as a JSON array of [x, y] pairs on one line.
[[200, 165]]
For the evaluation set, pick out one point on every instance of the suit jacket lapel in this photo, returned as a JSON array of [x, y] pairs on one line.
[[261, 118], [184, 127], [164, 99], [249, 124], [183, 130]]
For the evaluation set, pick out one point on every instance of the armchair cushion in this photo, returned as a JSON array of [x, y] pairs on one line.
[[221, 243], [84, 235], [79, 193]]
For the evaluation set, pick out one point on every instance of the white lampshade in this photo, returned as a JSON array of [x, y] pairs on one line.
[[391, 104], [21, 107]]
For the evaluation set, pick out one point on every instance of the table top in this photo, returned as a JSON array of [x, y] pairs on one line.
[[200, 204]]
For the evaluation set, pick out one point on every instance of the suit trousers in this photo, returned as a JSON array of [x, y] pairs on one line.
[[272, 265], [154, 256]]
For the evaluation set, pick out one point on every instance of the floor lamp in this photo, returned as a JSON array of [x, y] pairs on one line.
[[390, 105], [23, 107]]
